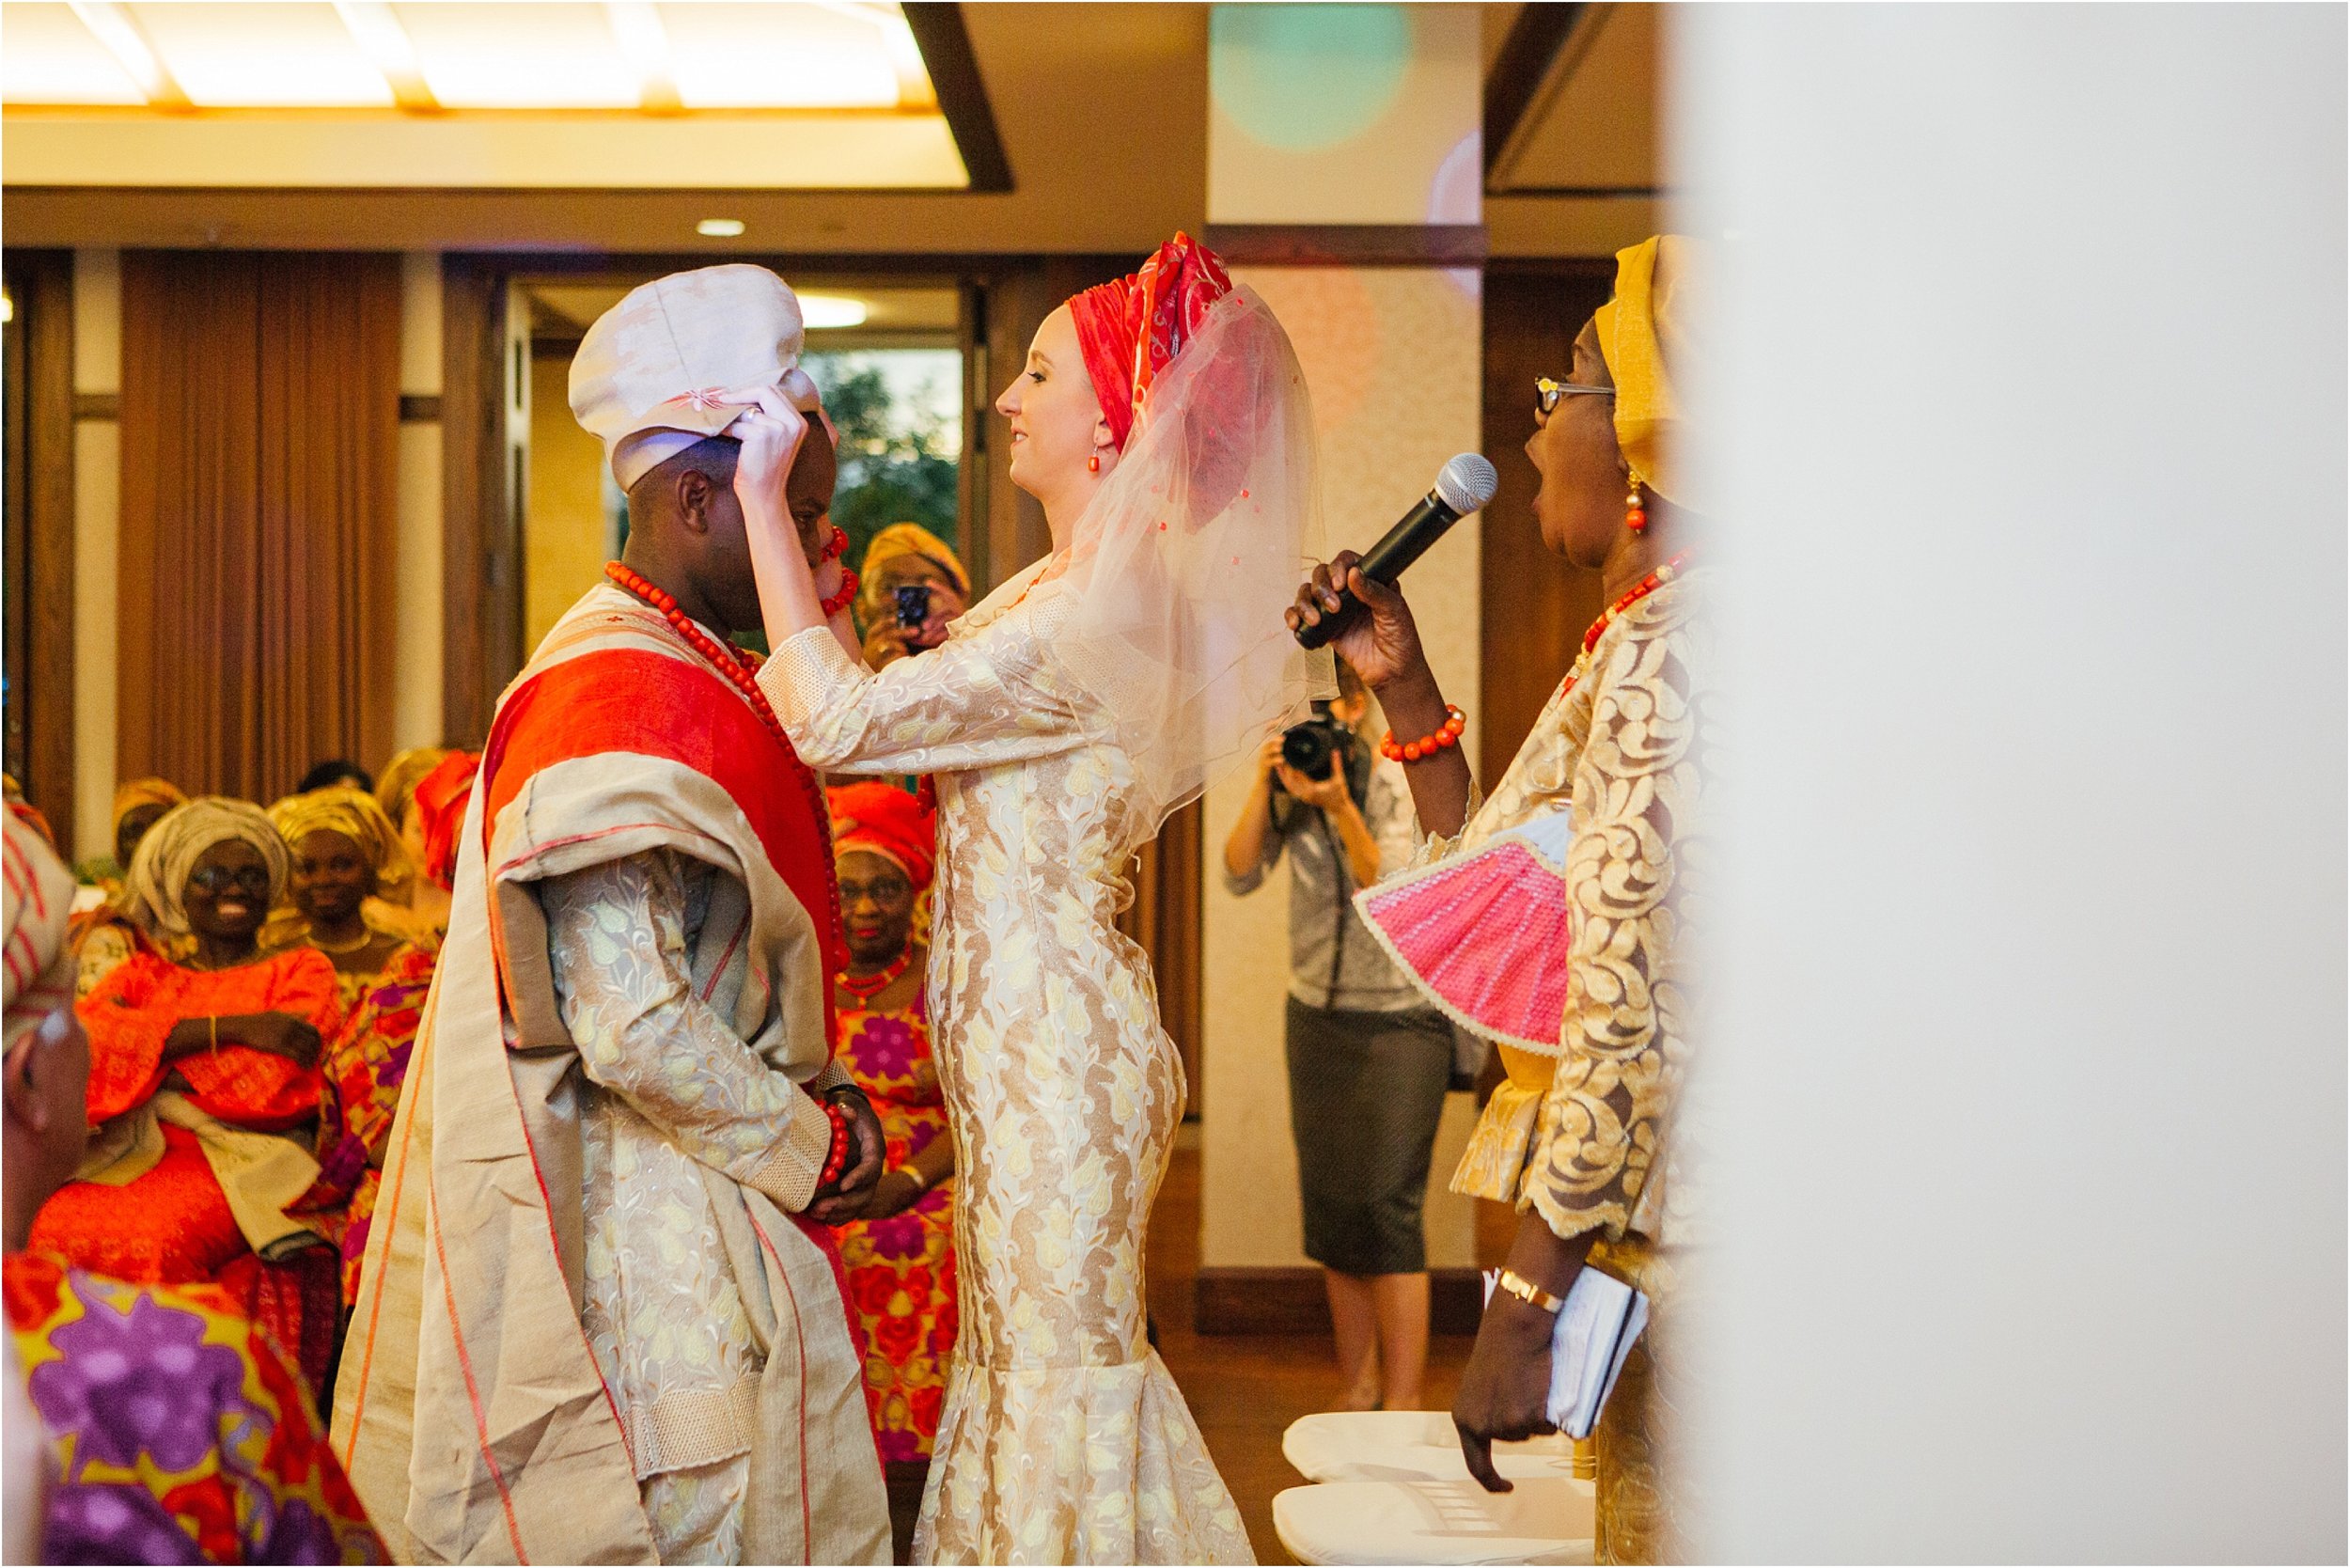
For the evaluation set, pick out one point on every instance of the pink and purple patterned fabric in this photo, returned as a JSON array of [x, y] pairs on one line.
[[181, 1433]]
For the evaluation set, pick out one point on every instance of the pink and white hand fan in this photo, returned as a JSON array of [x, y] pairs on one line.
[[1484, 934]]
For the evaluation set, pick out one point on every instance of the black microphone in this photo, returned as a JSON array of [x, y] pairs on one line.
[[1465, 485]]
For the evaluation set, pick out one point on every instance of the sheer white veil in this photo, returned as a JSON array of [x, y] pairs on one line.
[[1178, 572]]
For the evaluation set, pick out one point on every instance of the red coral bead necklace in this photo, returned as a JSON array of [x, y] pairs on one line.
[[865, 988], [739, 668], [1663, 573]]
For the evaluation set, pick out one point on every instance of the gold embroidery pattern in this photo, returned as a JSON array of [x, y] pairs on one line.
[[670, 1091], [1620, 748], [1063, 1438], [1580, 1137]]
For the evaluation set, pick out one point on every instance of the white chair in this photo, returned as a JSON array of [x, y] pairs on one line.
[[1408, 1445], [1437, 1522]]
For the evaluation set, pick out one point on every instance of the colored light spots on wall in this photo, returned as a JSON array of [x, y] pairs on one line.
[[1306, 77]]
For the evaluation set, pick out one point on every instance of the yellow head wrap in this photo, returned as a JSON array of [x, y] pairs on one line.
[[144, 792], [352, 813], [903, 538], [1640, 331], [160, 867], [396, 790]]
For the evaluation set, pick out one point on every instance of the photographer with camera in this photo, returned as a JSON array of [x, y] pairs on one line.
[[911, 584], [1368, 1061]]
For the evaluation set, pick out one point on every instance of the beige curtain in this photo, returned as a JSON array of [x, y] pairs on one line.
[[261, 433]]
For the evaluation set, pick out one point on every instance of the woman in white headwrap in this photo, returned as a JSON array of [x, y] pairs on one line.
[[204, 1090], [1163, 422]]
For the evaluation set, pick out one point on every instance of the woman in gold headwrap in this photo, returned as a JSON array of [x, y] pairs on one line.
[[105, 935], [420, 905], [907, 556], [1580, 1139], [345, 854], [347, 860]]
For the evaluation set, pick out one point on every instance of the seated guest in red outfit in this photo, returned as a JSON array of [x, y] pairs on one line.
[[365, 1065], [900, 1254], [162, 1428], [204, 1086]]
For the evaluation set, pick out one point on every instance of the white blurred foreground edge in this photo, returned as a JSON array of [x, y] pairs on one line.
[[2022, 1107]]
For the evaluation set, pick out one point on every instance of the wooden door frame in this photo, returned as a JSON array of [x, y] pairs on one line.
[[40, 539], [1004, 299], [481, 584], [1531, 604]]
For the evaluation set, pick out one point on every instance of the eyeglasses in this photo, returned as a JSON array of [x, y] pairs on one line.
[[883, 889], [213, 879], [1547, 394]]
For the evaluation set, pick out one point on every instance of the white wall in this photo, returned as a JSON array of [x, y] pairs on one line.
[[2027, 1050], [1392, 356]]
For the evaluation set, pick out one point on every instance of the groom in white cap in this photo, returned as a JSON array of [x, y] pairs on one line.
[[600, 1319]]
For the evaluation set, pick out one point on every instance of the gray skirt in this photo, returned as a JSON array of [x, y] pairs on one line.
[[1366, 1092]]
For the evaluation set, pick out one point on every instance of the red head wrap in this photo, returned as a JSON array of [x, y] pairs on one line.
[[888, 822], [1130, 329], [441, 799]]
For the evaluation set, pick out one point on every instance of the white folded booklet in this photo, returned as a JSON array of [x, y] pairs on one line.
[[1593, 1333]]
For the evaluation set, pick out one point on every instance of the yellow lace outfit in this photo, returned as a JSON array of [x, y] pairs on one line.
[[1580, 1137]]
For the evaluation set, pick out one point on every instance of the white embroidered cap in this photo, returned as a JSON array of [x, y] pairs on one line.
[[647, 377]]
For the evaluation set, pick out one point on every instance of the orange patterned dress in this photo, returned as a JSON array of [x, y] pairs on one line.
[[172, 1225], [364, 1067], [902, 1270]]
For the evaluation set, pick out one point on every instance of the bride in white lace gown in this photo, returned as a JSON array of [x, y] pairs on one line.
[[1161, 421]]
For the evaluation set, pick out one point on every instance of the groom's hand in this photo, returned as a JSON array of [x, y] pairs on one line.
[[844, 1199]]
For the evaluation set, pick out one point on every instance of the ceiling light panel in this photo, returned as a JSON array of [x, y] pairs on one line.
[[226, 54], [51, 58], [778, 55], [831, 312], [644, 55], [509, 55]]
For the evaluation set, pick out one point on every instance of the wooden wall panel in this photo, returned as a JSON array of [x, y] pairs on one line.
[[480, 499], [1534, 605], [1012, 532], [38, 547]]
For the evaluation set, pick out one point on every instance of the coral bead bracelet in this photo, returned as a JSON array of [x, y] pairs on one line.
[[1446, 734]]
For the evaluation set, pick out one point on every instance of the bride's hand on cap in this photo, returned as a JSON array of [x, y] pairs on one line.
[[770, 430]]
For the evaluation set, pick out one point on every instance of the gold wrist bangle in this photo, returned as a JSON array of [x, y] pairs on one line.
[[921, 1182], [1528, 1292]]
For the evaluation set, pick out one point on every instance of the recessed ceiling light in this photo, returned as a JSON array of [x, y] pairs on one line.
[[719, 229], [820, 311]]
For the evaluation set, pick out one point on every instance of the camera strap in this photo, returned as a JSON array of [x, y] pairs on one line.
[[1341, 900]]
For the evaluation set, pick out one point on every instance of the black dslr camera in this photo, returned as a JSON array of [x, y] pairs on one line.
[[1314, 747], [1310, 746]]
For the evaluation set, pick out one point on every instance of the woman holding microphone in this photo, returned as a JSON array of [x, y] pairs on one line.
[[1579, 1139]]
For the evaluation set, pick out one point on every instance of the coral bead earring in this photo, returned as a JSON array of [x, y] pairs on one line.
[[1093, 463], [1635, 514]]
